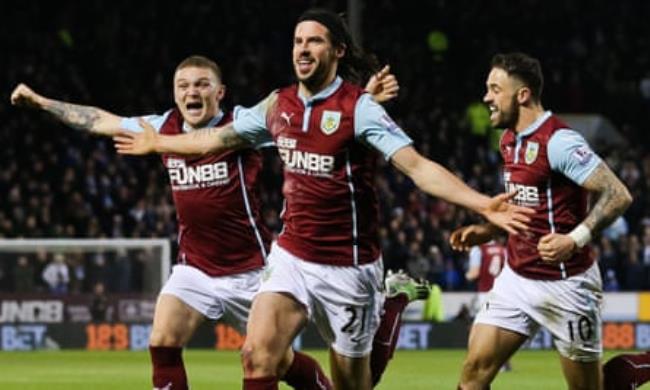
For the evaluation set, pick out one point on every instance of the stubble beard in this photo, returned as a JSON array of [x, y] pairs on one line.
[[509, 118], [315, 81]]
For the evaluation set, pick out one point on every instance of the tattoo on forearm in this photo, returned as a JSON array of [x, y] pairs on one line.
[[227, 135], [612, 202], [78, 117], [230, 138]]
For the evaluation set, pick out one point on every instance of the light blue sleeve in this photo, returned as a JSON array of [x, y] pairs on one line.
[[154, 120], [569, 154], [474, 257], [373, 126], [250, 124]]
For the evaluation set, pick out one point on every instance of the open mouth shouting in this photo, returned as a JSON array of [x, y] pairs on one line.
[[194, 108]]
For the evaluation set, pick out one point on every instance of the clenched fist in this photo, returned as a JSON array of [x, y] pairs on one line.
[[25, 96]]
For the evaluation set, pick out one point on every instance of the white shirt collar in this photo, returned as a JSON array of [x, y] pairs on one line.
[[324, 94]]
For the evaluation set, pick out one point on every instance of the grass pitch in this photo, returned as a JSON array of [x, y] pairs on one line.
[[434, 369]]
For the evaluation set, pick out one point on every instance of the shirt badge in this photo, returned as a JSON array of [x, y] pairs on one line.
[[330, 122], [532, 148]]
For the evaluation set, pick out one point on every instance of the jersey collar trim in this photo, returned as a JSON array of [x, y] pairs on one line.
[[324, 94]]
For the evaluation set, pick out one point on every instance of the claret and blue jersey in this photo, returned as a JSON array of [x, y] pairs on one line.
[[546, 164], [325, 141], [220, 227]]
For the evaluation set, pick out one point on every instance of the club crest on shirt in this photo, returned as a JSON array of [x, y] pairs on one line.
[[330, 122], [532, 148]]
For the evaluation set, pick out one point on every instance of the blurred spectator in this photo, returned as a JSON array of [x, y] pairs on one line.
[[617, 229], [452, 276], [77, 272], [99, 303], [121, 272], [98, 269], [646, 257], [417, 265], [609, 264], [634, 270], [4, 282], [56, 275], [23, 275]]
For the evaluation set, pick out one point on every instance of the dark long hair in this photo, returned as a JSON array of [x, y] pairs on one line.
[[356, 66]]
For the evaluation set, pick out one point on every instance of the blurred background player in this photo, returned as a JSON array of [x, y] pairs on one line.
[[326, 264], [550, 277], [485, 263], [222, 242]]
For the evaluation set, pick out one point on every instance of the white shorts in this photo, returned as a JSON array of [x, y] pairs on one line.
[[344, 302], [569, 309], [227, 298]]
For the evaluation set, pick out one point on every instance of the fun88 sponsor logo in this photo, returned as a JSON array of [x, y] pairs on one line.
[[307, 163], [198, 176], [526, 195]]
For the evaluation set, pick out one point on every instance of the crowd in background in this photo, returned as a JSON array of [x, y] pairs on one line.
[[57, 182]]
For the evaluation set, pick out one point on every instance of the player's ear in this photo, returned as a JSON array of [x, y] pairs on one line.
[[339, 50], [221, 93], [524, 95]]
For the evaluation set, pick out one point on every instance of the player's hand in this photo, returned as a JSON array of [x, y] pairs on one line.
[[130, 142], [506, 216], [462, 239], [25, 96], [556, 248], [383, 85]]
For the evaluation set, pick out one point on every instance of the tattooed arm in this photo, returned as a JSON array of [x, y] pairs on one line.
[[614, 198], [203, 141], [199, 142], [612, 201], [87, 118]]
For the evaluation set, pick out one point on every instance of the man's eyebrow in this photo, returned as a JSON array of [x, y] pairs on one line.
[[199, 79]]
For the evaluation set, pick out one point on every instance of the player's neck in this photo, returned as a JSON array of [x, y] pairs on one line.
[[527, 116], [205, 123], [308, 91]]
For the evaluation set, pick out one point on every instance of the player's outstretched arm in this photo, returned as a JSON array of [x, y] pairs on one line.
[[383, 85], [435, 180], [613, 200], [198, 142], [80, 117]]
